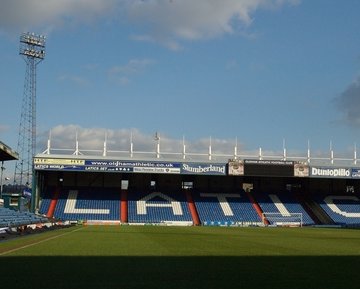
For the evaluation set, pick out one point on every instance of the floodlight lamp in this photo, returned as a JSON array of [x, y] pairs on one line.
[[32, 39], [32, 46]]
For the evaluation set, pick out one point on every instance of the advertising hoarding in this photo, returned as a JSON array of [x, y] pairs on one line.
[[330, 172], [269, 168]]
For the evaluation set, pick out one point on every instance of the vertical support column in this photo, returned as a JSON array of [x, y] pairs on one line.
[[53, 203], [331, 153], [184, 148], [105, 146], [235, 150], [192, 208], [210, 152], [260, 154], [124, 207], [257, 208], [131, 145], [355, 157], [2, 168], [157, 139], [34, 193], [284, 150]]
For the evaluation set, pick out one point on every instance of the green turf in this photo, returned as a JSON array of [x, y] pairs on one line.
[[183, 257]]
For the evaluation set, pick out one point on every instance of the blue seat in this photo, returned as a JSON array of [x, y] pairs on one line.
[[225, 208], [286, 199], [156, 207], [15, 218], [88, 203], [342, 209]]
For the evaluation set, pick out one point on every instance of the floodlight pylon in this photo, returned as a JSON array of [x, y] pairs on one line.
[[32, 49]]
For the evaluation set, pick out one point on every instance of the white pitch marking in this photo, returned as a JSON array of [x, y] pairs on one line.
[[39, 242]]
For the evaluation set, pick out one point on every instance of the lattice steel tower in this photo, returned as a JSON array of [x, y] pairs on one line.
[[32, 49]]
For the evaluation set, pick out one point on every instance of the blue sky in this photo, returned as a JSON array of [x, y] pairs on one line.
[[259, 71]]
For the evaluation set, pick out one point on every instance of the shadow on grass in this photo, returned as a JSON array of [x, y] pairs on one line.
[[180, 272]]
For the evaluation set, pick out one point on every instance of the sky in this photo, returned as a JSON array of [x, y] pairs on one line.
[[256, 73]]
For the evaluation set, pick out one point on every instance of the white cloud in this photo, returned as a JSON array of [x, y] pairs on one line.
[[91, 142], [78, 80], [168, 21], [65, 136], [122, 73], [132, 67], [50, 14], [164, 21], [123, 80], [172, 44]]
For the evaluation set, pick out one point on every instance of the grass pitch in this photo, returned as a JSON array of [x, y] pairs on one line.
[[182, 257]]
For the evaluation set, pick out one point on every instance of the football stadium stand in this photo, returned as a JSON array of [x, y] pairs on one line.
[[220, 209], [6, 153], [14, 218], [102, 204], [196, 187], [85, 203], [342, 209], [225, 208], [158, 207], [11, 218], [283, 203]]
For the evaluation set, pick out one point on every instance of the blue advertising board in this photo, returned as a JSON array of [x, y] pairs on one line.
[[106, 165], [355, 173], [203, 168], [120, 166]]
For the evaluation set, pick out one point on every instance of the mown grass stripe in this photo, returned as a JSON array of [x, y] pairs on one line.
[[38, 242]]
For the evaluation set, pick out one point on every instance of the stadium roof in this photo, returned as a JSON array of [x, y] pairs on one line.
[[207, 155], [6, 153]]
